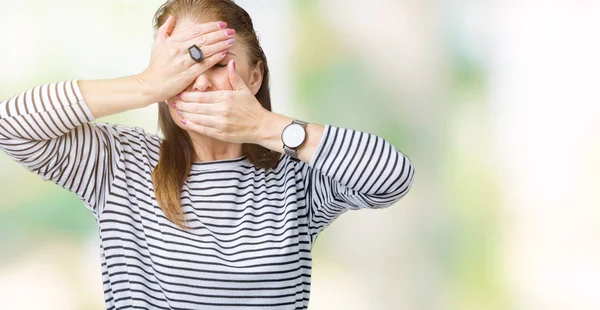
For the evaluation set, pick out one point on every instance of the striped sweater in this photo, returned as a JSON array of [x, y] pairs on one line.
[[252, 230]]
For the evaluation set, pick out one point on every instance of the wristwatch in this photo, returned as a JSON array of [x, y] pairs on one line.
[[293, 137]]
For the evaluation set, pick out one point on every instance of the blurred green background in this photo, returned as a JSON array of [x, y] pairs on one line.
[[495, 102]]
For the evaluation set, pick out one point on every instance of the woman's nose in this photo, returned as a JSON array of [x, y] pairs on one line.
[[203, 83]]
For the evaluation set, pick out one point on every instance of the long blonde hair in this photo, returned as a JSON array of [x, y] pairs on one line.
[[176, 150]]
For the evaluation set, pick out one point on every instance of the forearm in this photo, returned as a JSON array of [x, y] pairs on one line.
[[271, 135], [112, 96], [47, 129], [43, 112], [361, 161]]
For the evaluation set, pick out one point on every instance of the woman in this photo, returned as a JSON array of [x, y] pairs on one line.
[[223, 210]]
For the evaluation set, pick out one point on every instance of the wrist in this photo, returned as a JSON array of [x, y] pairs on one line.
[[111, 96], [147, 91], [269, 134]]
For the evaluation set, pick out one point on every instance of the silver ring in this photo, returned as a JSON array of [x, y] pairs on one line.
[[196, 53]]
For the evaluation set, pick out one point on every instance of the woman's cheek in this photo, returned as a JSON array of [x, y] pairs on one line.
[[176, 118], [223, 80]]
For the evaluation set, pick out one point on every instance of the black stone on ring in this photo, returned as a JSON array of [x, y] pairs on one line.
[[196, 53]]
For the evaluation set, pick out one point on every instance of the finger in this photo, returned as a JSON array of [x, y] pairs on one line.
[[195, 108], [200, 119], [234, 78], [198, 30], [165, 30], [210, 38], [203, 130], [203, 124], [209, 50], [196, 69], [206, 97]]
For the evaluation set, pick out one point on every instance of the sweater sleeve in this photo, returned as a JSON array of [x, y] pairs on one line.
[[47, 130], [353, 170]]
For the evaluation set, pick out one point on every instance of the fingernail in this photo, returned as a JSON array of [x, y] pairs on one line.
[[230, 41], [178, 112], [224, 52], [230, 32], [184, 121], [222, 25], [174, 105]]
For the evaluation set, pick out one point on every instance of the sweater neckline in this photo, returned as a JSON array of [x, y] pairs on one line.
[[221, 163]]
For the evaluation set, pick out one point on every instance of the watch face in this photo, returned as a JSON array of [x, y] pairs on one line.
[[293, 135]]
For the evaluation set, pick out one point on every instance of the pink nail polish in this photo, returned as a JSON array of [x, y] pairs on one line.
[[230, 41], [224, 52], [230, 32], [184, 121], [222, 25], [174, 105]]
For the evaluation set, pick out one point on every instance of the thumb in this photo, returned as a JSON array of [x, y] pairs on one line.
[[234, 78], [166, 29]]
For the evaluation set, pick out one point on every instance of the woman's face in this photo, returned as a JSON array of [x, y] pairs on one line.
[[216, 77]]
